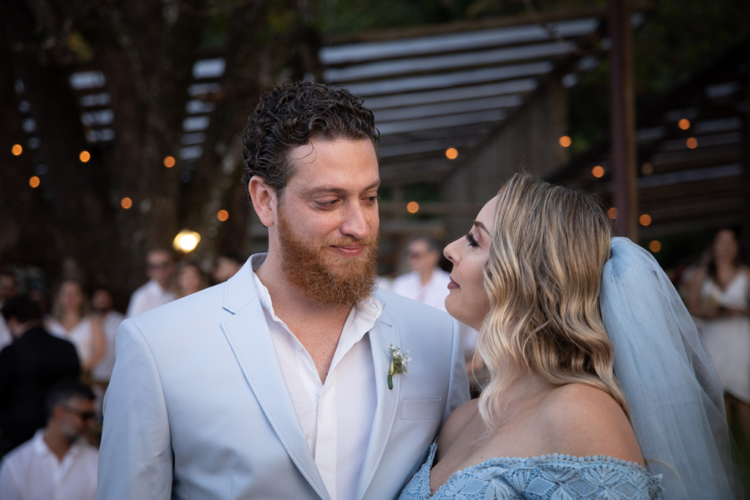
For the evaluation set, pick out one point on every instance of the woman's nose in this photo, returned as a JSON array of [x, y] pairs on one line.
[[451, 252]]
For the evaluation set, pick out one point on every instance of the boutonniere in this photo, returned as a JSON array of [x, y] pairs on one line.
[[399, 362]]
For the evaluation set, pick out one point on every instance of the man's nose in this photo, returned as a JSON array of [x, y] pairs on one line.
[[355, 223]]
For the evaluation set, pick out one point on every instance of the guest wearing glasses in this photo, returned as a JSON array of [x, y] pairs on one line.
[[57, 462], [159, 289], [426, 282]]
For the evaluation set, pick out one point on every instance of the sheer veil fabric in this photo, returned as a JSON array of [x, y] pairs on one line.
[[670, 383]]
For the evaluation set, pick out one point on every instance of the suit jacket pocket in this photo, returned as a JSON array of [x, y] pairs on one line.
[[422, 409]]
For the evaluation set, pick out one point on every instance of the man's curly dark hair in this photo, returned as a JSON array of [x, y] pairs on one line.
[[292, 114]]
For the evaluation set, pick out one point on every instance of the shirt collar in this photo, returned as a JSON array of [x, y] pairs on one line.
[[42, 449]]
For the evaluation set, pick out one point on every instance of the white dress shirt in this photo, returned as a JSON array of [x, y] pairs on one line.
[[103, 371], [33, 472], [433, 293], [337, 416], [80, 336], [147, 297]]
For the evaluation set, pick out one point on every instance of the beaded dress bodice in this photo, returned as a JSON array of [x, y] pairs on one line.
[[550, 477]]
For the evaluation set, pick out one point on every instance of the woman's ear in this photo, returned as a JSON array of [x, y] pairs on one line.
[[264, 200]]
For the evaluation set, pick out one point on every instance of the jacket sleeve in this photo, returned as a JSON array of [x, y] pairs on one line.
[[458, 389], [135, 457]]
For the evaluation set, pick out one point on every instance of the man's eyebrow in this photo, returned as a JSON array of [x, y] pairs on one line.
[[481, 226], [337, 190]]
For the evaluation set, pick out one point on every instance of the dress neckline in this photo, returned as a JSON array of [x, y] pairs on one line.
[[554, 457]]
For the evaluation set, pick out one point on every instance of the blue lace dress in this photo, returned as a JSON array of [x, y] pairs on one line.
[[550, 477]]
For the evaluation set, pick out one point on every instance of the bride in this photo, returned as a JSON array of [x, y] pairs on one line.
[[599, 381]]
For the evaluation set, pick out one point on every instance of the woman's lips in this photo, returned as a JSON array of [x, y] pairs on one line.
[[453, 285]]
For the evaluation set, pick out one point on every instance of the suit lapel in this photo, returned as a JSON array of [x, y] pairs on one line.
[[384, 333], [247, 333]]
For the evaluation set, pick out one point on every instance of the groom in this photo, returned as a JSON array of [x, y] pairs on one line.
[[276, 383]]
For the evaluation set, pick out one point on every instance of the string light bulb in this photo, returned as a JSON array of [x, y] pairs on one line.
[[412, 207], [85, 156], [451, 153], [186, 241], [222, 215], [565, 141], [17, 149]]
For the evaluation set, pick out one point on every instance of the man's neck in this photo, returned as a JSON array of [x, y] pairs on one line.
[[317, 326], [164, 288], [57, 442]]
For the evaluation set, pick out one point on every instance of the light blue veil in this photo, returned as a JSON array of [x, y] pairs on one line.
[[675, 397]]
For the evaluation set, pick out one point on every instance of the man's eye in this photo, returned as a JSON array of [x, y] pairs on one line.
[[372, 199], [471, 240], [327, 203]]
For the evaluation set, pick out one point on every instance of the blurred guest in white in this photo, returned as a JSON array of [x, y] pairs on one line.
[[227, 266], [70, 322], [56, 463], [159, 289], [8, 288], [190, 279], [427, 283], [101, 303]]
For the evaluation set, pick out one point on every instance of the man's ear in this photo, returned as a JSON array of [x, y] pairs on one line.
[[264, 200]]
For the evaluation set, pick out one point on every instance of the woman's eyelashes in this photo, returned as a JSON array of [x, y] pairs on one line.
[[471, 240]]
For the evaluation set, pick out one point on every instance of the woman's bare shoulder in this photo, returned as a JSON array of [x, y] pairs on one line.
[[456, 422], [584, 421]]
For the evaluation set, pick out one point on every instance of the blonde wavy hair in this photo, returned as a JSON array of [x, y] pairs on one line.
[[549, 246]]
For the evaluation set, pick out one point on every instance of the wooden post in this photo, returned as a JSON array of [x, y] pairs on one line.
[[622, 120]]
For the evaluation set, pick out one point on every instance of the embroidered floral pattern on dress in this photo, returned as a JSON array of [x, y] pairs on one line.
[[550, 477]]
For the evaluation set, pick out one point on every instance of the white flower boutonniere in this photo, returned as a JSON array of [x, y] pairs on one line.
[[399, 362]]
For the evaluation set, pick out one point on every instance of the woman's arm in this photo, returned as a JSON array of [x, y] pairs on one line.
[[98, 342], [694, 297]]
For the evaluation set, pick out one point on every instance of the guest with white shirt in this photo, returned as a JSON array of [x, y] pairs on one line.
[[426, 283], [101, 303], [70, 322], [159, 289], [57, 463], [8, 288]]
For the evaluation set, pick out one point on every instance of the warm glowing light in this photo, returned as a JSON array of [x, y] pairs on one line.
[[451, 153], [126, 203], [169, 162], [186, 240], [598, 171], [654, 246], [222, 215], [692, 143], [645, 220], [34, 182], [412, 207], [647, 168], [612, 213], [684, 124], [565, 141], [84, 156], [17, 149]]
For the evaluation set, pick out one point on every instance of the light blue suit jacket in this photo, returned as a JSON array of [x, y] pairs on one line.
[[198, 408]]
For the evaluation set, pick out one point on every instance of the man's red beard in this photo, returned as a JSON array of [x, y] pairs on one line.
[[323, 276]]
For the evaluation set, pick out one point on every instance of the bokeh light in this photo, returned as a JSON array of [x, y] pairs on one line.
[[186, 240], [612, 213], [654, 246], [34, 182], [222, 215], [692, 143], [565, 141], [647, 168], [84, 156], [17, 149], [684, 124], [451, 153], [412, 207], [598, 171], [126, 203], [169, 162], [645, 220]]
